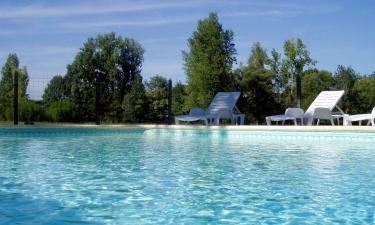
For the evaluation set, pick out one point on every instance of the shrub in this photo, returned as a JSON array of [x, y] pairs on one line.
[[29, 111], [61, 111]]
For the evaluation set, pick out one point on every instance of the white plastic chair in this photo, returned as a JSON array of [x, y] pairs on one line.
[[323, 113], [359, 118], [293, 114]]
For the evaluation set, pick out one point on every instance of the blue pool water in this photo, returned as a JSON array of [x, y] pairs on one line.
[[114, 176]]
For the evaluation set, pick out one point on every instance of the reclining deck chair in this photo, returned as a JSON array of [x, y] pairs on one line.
[[320, 108], [223, 106], [323, 105]]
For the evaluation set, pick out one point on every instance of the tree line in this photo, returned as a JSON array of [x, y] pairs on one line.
[[112, 65]]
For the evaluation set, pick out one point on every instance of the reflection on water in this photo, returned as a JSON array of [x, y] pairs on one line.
[[193, 177]]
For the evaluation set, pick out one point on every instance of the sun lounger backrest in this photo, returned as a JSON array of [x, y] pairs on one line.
[[223, 101], [326, 99]]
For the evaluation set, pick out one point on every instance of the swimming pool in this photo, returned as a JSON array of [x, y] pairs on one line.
[[162, 176]]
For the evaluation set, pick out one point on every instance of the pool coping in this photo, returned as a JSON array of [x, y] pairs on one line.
[[367, 129]]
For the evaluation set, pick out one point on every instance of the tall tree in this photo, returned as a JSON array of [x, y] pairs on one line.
[[345, 78], [257, 99], [363, 95], [297, 58], [110, 63], [279, 81], [255, 82], [258, 58], [156, 92], [208, 61], [314, 82], [179, 96], [135, 102], [6, 85], [56, 90]]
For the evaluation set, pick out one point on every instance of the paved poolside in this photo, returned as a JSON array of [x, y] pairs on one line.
[[223, 127]]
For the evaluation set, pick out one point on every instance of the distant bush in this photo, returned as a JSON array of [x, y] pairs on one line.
[[61, 111], [29, 110]]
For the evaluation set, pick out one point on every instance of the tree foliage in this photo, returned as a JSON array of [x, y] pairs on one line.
[[258, 99], [178, 99], [258, 58], [256, 85], [61, 111], [56, 90], [363, 95], [156, 92], [8, 71], [297, 57], [208, 61], [314, 82], [29, 111], [135, 102], [112, 63], [345, 78]]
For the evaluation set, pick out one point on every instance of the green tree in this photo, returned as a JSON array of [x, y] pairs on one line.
[[135, 102], [363, 94], [61, 110], [8, 71], [297, 58], [258, 99], [208, 61], [29, 111], [178, 99], [256, 84], [279, 81], [112, 63], [314, 82], [56, 90], [258, 58], [156, 92], [345, 78]]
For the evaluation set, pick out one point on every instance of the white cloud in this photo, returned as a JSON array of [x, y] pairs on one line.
[[89, 25], [91, 8]]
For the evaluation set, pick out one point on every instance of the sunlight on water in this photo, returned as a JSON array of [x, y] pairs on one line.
[[106, 176]]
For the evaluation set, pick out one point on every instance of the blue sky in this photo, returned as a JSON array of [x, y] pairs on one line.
[[46, 35]]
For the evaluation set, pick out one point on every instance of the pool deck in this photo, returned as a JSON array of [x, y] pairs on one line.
[[189, 127]]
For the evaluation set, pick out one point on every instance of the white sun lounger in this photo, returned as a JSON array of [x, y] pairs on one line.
[[359, 118], [323, 106], [292, 114], [320, 108], [223, 106], [195, 114]]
